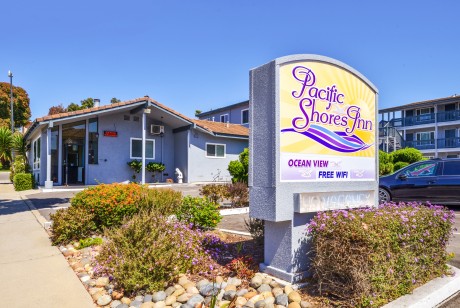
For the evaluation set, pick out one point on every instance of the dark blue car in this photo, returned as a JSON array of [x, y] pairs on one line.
[[435, 180]]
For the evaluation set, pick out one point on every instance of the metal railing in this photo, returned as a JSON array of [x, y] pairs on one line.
[[453, 142], [447, 116]]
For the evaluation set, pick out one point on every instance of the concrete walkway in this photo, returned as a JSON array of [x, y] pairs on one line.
[[32, 272]]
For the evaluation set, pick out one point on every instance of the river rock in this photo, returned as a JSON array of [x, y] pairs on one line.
[[126, 300], [122, 306], [183, 280], [183, 298], [209, 290], [282, 299], [102, 281], [170, 300], [202, 283], [256, 282], [264, 288], [170, 290], [294, 305], [288, 289], [195, 299], [277, 291], [117, 295], [294, 296], [249, 295], [158, 296], [104, 300], [266, 280], [229, 295], [192, 290], [241, 292], [267, 294], [234, 281], [147, 305], [136, 304], [259, 304], [230, 287], [224, 304], [160, 304], [178, 292], [240, 301]]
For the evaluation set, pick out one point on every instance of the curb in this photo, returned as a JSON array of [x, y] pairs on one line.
[[41, 220], [431, 294], [237, 211], [235, 232]]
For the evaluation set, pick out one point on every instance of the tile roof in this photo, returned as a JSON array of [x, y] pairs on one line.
[[212, 127], [223, 128]]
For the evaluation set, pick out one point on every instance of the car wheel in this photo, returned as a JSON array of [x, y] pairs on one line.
[[384, 195]]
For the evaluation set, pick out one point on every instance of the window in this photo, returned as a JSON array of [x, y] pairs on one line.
[[425, 114], [452, 168], [36, 148], [93, 135], [126, 117], [136, 118], [224, 118], [214, 150], [136, 148], [425, 138], [423, 169], [245, 116]]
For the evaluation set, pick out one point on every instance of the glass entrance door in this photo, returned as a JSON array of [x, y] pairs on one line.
[[73, 149]]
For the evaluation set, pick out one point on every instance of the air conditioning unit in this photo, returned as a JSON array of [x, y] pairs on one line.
[[157, 129]]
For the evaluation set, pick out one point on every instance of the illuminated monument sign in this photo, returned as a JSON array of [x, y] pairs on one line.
[[313, 148]]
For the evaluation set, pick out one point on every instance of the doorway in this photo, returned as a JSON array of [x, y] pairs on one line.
[[73, 150]]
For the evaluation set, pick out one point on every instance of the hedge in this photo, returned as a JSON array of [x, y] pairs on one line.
[[23, 181]]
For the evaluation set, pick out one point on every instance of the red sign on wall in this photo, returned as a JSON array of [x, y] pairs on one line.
[[110, 133]]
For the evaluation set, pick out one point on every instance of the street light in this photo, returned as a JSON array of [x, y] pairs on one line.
[[10, 74]]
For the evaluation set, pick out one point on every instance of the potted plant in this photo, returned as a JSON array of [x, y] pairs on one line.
[[136, 165], [154, 168]]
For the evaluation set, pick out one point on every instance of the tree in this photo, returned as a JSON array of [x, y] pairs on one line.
[[21, 108], [197, 112], [6, 139], [238, 169], [114, 100], [87, 103], [57, 109], [73, 107], [18, 143]]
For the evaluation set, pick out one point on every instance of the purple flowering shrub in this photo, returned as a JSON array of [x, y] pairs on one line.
[[148, 251], [370, 256]]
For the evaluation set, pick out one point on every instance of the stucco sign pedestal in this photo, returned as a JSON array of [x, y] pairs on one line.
[[313, 147]]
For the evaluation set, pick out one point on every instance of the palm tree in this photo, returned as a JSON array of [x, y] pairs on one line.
[[18, 143], [6, 140]]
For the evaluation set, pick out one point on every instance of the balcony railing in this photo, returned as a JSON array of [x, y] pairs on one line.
[[421, 144], [446, 143], [449, 143], [453, 115], [420, 119]]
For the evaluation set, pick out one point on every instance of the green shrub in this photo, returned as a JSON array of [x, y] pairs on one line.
[[199, 211], [110, 203], [23, 181], [155, 168], [19, 165], [136, 165], [400, 165], [239, 194], [255, 226], [214, 192], [238, 169], [408, 155], [148, 251], [368, 257], [162, 200], [87, 242], [72, 224], [385, 163]]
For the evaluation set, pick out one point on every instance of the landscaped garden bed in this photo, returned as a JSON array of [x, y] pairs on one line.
[[160, 250]]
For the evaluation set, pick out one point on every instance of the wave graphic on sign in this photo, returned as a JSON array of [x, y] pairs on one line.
[[337, 141]]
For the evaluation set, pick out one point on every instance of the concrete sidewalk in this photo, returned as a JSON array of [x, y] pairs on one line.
[[32, 272]]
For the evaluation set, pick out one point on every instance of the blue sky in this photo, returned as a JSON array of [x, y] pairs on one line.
[[197, 54]]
